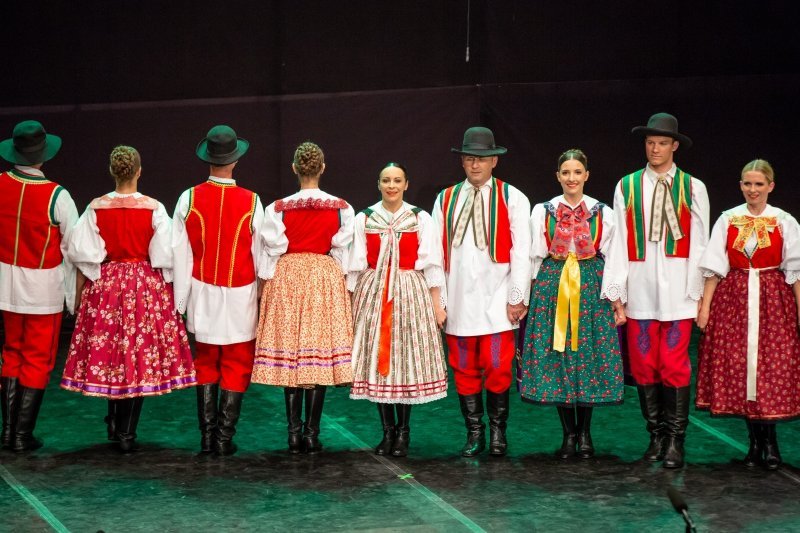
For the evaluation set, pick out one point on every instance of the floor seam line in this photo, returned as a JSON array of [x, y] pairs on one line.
[[32, 500], [419, 487]]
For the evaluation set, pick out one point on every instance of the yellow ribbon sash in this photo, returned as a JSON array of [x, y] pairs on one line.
[[747, 225], [568, 306]]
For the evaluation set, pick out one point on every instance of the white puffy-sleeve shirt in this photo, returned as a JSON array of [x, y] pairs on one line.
[[660, 287], [87, 249], [478, 289], [43, 291], [429, 251], [275, 243], [539, 249], [715, 258], [216, 315]]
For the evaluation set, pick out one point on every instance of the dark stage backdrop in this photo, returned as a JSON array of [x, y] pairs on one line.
[[376, 81]]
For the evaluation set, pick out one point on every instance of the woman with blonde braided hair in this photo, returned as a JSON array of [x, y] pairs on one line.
[[749, 357], [305, 327], [128, 341]]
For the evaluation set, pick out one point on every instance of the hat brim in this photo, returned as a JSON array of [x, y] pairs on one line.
[[645, 131], [241, 148], [498, 150], [51, 147]]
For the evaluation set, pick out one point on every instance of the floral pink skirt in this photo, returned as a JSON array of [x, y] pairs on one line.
[[128, 340], [722, 361]]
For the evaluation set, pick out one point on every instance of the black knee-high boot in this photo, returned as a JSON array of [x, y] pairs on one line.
[[207, 402], [568, 425], [293, 398], [315, 400], [403, 432], [28, 405], [755, 452], [8, 401], [772, 456], [111, 420], [497, 409], [127, 420], [585, 444], [472, 410], [676, 419], [386, 412], [230, 407], [651, 403]]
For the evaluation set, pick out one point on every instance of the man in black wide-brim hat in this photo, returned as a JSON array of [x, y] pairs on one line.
[[216, 246], [483, 226], [661, 229], [36, 279]]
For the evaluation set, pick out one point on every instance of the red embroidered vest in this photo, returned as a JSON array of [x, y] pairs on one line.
[[409, 246], [762, 257], [219, 225], [29, 234], [126, 232], [310, 223]]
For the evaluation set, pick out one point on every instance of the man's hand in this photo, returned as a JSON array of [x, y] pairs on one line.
[[619, 313], [516, 312]]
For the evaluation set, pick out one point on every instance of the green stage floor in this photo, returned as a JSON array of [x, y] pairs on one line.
[[78, 483]]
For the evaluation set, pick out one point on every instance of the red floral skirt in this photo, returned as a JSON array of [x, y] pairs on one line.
[[128, 340], [722, 361]]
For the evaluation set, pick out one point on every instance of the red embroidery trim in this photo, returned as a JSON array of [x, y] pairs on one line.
[[310, 203]]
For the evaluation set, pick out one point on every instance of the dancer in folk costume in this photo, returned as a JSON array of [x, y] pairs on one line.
[[305, 328], [661, 230], [570, 356], [216, 247], [396, 275], [483, 225], [128, 341], [36, 277], [749, 360]]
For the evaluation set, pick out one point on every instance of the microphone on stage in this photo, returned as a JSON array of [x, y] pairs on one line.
[[680, 506]]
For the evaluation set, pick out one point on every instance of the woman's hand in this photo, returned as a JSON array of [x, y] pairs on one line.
[[619, 313], [441, 317], [702, 318]]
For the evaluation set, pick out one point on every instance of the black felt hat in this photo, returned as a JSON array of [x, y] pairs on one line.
[[665, 125], [29, 144], [479, 141], [221, 146]]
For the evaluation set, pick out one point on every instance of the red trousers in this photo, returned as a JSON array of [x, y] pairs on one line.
[[482, 360], [659, 351], [230, 365], [29, 352]]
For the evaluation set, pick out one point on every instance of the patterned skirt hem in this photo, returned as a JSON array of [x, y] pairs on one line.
[[549, 403], [408, 401], [121, 392], [732, 414], [286, 383]]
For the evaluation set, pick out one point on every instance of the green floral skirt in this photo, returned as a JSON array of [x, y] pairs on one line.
[[590, 376]]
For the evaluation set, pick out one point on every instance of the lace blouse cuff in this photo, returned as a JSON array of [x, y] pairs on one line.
[[792, 276], [90, 270], [167, 273], [266, 268], [615, 292], [515, 295], [434, 276]]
